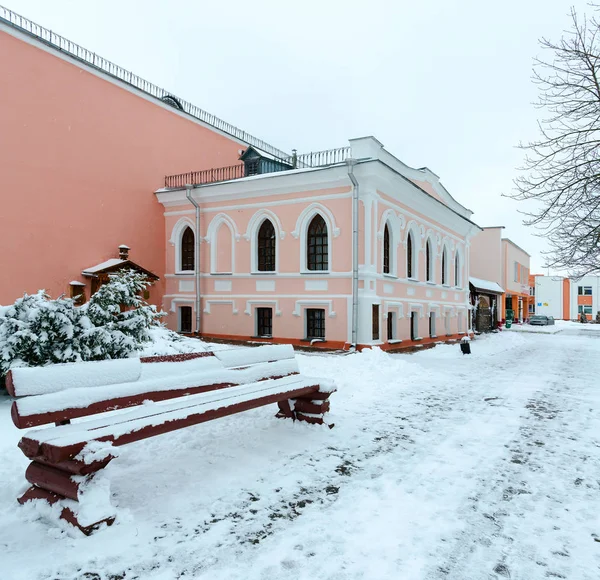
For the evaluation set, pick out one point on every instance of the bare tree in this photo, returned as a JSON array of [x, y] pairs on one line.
[[562, 169]]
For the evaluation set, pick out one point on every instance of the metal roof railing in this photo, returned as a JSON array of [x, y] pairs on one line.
[[92, 59], [261, 167]]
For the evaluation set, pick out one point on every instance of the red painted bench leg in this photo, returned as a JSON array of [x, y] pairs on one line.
[[38, 494], [310, 408], [52, 484]]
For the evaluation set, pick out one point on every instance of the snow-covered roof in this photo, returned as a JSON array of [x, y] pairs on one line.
[[108, 264], [76, 283], [264, 154], [486, 285]]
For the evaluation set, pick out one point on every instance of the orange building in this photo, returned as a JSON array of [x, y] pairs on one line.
[[84, 144]]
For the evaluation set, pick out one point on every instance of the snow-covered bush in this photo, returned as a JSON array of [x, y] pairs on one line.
[[36, 330], [115, 323], [120, 318]]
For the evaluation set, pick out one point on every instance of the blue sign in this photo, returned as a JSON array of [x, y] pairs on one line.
[[539, 303]]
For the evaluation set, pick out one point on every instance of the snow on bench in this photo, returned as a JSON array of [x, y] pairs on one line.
[[158, 395]]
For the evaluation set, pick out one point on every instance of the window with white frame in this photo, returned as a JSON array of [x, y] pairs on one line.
[[444, 266], [317, 245], [457, 280], [584, 290], [411, 257], [315, 323], [185, 319], [386, 249], [585, 309], [187, 250], [432, 324], [391, 326], [429, 261], [264, 322], [266, 247]]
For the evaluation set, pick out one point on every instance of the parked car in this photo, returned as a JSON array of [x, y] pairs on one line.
[[541, 320]]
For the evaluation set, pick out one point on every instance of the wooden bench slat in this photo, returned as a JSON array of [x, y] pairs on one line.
[[25, 381], [75, 403], [81, 429], [239, 357], [129, 429]]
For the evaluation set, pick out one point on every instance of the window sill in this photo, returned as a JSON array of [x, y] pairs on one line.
[[316, 340], [446, 285], [395, 341], [433, 336], [391, 276], [416, 339], [185, 273], [270, 337], [269, 273], [221, 273], [317, 272], [431, 283], [413, 280]]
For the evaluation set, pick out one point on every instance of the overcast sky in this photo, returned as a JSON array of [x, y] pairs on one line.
[[441, 83]]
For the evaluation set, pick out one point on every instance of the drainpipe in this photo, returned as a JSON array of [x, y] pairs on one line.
[[351, 163], [188, 194]]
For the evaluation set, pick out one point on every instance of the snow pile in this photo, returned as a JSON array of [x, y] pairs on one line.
[[440, 467], [55, 378]]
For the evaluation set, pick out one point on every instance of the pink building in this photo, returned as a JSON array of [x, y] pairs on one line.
[[497, 263], [346, 247], [350, 247]]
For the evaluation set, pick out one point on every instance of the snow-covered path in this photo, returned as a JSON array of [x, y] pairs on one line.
[[439, 467]]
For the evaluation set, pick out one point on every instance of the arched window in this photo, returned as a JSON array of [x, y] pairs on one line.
[[266, 247], [444, 266], [386, 250], [428, 264], [457, 270], [409, 256], [188, 250], [317, 245]]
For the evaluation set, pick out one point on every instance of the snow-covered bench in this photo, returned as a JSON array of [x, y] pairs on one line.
[[163, 394]]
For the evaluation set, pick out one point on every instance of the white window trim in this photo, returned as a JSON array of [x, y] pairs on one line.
[[175, 240], [444, 270], [304, 304], [181, 302], [394, 326], [397, 306], [252, 304], [393, 273], [307, 217], [211, 237], [432, 260], [394, 224], [251, 235], [415, 253], [179, 329], [315, 306], [458, 282]]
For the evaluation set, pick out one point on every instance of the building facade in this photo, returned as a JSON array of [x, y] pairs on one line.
[[565, 298], [515, 281], [279, 260], [498, 263], [85, 143]]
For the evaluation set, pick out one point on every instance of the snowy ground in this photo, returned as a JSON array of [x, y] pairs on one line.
[[558, 326], [439, 467]]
